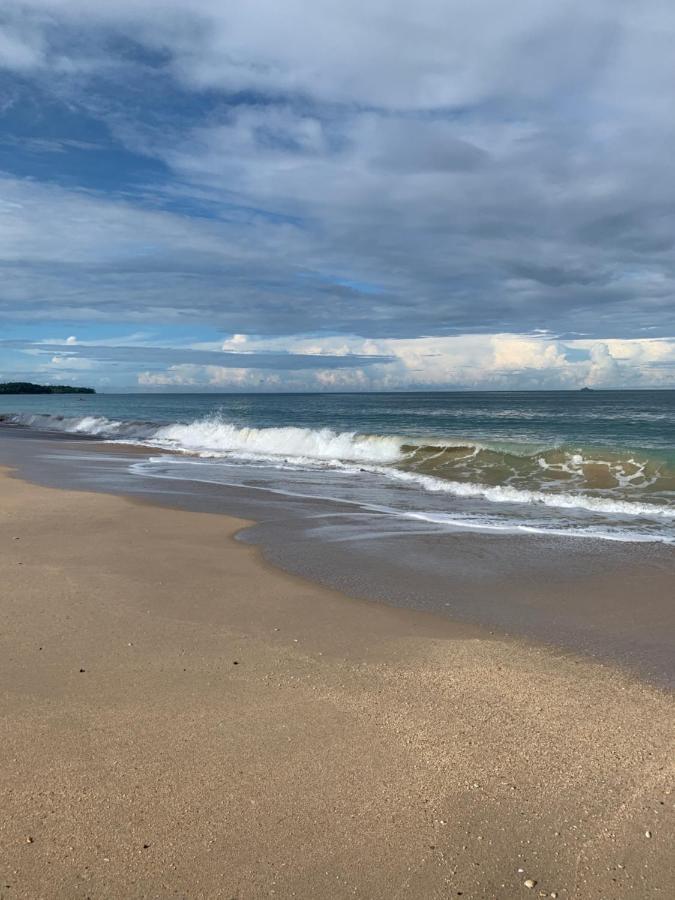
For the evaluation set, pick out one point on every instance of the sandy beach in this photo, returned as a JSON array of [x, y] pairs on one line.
[[179, 719]]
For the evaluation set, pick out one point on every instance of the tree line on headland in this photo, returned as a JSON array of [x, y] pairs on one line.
[[27, 387]]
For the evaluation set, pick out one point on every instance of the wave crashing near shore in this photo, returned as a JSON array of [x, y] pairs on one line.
[[589, 481]]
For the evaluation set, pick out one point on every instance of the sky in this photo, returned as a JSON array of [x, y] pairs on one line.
[[337, 194]]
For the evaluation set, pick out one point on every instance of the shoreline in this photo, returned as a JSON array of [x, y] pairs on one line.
[[357, 750], [606, 601]]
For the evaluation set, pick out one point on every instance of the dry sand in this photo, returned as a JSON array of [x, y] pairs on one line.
[[181, 720]]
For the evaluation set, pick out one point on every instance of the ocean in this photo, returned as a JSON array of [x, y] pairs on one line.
[[597, 464]]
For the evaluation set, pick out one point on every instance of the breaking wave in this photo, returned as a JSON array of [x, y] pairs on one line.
[[213, 436], [507, 494], [614, 485], [93, 426]]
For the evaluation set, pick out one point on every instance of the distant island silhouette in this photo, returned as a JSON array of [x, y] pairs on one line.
[[27, 387]]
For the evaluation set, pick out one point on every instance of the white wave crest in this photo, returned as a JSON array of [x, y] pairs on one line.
[[94, 426], [217, 437], [507, 494], [214, 436]]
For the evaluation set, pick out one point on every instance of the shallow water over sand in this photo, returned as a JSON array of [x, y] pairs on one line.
[[590, 465], [611, 600]]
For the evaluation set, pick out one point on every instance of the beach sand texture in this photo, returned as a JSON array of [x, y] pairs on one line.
[[179, 719]]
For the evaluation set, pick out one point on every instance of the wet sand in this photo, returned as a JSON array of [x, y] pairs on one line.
[[611, 601], [181, 719]]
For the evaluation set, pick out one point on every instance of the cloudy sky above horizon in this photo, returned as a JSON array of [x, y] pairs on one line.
[[337, 195]]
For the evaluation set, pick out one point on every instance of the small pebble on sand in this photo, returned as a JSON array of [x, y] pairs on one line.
[[529, 882], [648, 834], [29, 840]]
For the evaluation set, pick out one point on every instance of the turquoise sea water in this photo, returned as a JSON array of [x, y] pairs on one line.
[[598, 464]]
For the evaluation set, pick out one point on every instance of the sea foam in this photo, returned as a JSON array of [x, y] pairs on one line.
[[508, 494], [391, 457], [216, 436]]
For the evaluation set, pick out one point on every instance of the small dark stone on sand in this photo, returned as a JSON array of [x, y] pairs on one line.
[[235, 662], [145, 846], [81, 670]]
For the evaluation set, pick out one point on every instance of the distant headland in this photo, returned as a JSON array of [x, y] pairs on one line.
[[27, 387]]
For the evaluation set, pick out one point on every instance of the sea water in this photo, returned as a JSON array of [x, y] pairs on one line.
[[597, 464]]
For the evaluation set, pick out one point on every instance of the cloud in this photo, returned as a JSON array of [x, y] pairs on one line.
[[214, 377], [269, 358], [604, 369], [71, 362], [237, 340], [425, 177], [392, 55], [468, 361], [351, 363]]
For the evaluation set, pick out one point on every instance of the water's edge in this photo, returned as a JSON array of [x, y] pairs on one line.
[[611, 602], [589, 466]]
